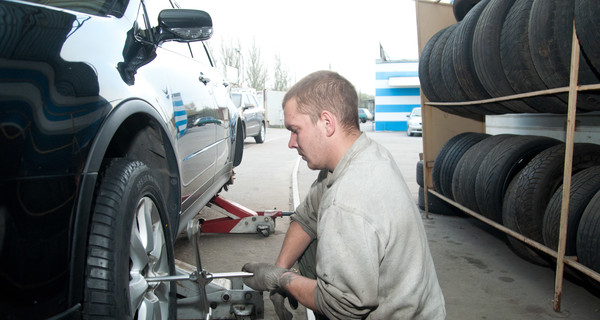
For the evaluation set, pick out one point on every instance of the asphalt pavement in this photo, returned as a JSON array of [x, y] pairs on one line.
[[480, 276]]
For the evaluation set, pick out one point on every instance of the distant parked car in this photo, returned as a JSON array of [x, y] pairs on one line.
[[116, 130], [253, 113], [364, 115], [413, 125]]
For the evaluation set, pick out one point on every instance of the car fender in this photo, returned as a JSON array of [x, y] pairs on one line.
[[115, 119]]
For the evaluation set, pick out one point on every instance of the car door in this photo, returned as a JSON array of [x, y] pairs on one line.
[[224, 107], [194, 114], [251, 112]]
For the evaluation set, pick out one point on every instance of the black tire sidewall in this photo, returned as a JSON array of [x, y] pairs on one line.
[[135, 180], [500, 166], [584, 185], [420, 174], [588, 236], [239, 145], [260, 138]]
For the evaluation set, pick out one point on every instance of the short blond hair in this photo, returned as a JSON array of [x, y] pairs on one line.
[[326, 90]]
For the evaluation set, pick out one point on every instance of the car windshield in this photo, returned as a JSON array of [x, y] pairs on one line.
[[416, 112], [96, 7]]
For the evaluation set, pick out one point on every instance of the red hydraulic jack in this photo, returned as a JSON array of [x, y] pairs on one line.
[[240, 219]]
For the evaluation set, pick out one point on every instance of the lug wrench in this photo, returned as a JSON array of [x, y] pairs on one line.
[[200, 276]]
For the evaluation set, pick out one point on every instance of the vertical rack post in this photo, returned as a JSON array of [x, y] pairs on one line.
[[570, 137]]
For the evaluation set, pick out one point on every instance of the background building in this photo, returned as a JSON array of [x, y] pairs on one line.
[[397, 92]]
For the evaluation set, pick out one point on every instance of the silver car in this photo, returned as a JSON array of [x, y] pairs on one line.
[[414, 125]]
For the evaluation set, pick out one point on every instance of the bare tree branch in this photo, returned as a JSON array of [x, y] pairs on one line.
[[256, 71]]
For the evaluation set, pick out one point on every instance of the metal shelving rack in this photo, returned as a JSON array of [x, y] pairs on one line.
[[439, 126]]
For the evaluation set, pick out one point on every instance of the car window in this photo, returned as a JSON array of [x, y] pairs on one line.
[[199, 53], [147, 19], [153, 9], [252, 100], [95, 7], [237, 99], [416, 112], [179, 47]]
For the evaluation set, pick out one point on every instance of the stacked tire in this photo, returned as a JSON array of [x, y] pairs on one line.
[[505, 47], [533, 199], [434, 203], [516, 180]]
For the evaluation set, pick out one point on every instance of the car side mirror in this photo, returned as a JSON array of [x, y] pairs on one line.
[[184, 25]]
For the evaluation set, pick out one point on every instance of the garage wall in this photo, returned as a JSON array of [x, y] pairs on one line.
[[397, 92]]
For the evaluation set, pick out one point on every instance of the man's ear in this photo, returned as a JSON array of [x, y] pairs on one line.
[[329, 122]]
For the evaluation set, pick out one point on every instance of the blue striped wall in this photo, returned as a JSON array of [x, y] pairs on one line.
[[395, 98]]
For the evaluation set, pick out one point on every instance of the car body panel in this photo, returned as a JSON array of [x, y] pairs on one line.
[[69, 82]]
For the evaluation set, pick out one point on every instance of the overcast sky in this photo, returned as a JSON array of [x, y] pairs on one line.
[[312, 35]]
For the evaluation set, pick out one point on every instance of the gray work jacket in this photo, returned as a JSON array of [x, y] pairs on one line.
[[373, 260]]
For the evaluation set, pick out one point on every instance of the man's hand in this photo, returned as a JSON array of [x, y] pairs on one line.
[[278, 299], [266, 276]]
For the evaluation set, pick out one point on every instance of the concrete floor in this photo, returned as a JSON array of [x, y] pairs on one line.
[[480, 276]]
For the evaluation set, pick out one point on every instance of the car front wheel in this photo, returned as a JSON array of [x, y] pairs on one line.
[[128, 242]]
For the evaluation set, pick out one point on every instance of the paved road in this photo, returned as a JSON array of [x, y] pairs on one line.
[[480, 276]]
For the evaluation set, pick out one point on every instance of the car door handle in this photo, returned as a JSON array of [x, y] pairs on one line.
[[203, 79]]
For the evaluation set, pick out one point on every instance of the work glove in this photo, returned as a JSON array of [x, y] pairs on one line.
[[266, 276], [278, 299]]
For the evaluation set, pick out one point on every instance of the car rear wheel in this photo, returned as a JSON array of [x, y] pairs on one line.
[[260, 138], [128, 242], [239, 145]]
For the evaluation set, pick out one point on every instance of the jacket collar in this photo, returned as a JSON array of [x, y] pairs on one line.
[[361, 142]]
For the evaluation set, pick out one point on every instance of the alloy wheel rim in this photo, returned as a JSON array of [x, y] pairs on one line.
[[148, 258]]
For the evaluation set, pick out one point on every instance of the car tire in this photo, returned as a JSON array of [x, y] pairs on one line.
[[550, 36], [517, 63], [460, 8], [439, 173], [129, 240], [420, 174], [239, 145], [486, 54], [462, 54], [427, 87], [465, 173], [588, 237], [437, 205], [530, 191], [584, 185], [435, 65], [500, 166], [453, 156], [260, 138], [587, 20]]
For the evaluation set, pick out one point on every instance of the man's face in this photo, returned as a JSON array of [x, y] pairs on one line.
[[306, 137]]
